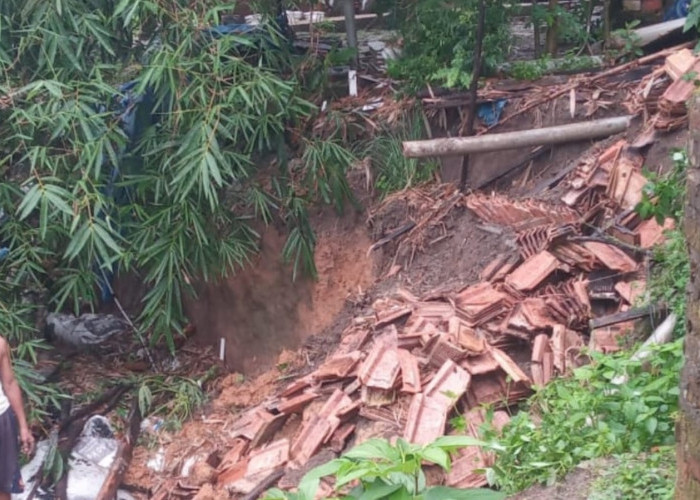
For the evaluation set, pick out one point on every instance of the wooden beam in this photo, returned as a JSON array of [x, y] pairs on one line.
[[456, 146], [621, 317]]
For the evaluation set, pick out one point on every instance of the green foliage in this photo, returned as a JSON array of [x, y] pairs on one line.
[[186, 193], [692, 20], [439, 41], [533, 70], [664, 195], [174, 398], [631, 47], [586, 415], [529, 70], [669, 276], [54, 466], [392, 170], [571, 21], [376, 469], [650, 475]]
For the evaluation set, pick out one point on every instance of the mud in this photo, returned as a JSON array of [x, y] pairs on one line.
[[260, 310]]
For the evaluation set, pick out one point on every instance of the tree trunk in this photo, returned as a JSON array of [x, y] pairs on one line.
[[474, 87], [553, 29], [606, 23], [572, 132], [536, 29], [688, 425], [351, 27]]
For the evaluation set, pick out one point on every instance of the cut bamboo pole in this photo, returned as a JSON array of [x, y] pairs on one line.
[[455, 146]]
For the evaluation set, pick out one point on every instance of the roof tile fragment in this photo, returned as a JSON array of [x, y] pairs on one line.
[[533, 271]]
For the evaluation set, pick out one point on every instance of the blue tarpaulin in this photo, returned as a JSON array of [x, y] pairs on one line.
[[490, 112], [678, 10]]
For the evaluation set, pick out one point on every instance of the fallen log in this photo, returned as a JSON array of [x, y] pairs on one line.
[[123, 457], [456, 146], [649, 34]]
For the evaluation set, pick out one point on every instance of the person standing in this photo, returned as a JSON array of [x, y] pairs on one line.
[[13, 427]]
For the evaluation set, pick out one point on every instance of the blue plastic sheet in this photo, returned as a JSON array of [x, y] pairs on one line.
[[490, 112], [678, 10]]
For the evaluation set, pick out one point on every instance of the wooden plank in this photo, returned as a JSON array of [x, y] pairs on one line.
[[621, 317]]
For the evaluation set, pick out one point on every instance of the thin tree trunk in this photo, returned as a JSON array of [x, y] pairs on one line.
[[688, 425], [572, 132], [474, 88], [351, 27], [606, 22], [536, 29], [553, 29]]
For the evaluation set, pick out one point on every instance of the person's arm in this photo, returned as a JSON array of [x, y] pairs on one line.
[[11, 389]]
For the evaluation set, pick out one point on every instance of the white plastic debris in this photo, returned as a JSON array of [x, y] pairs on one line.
[[157, 462], [88, 466]]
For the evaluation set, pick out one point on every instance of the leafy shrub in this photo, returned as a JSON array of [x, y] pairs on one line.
[[669, 276], [664, 195], [439, 41], [651, 475], [392, 472], [586, 415]]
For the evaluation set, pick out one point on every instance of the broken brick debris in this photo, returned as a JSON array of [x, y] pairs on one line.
[[418, 360], [236, 450], [465, 336], [246, 475], [481, 364], [495, 389], [449, 384], [533, 271], [651, 233], [296, 404], [611, 257], [340, 437], [338, 367], [631, 291], [509, 366], [679, 63], [425, 421], [385, 318], [443, 350], [257, 426], [468, 469], [565, 348], [678, 93], [542, 361], [481, 303], [309, 440], [381, 367], [410, 372]]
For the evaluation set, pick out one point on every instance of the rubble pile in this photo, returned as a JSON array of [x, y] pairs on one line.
[[406, 370], [418, 361]]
